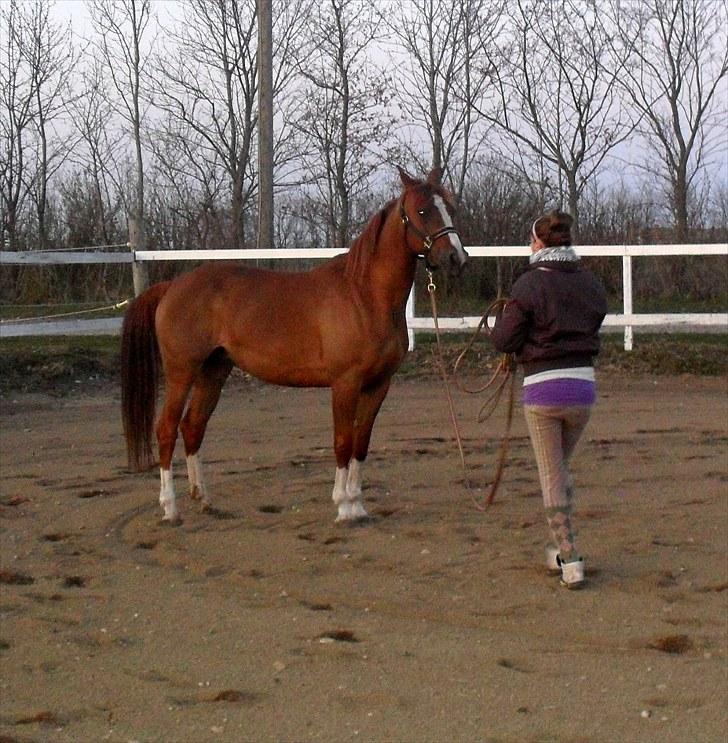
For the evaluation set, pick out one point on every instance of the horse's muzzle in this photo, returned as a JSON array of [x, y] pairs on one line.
[[456, 259]]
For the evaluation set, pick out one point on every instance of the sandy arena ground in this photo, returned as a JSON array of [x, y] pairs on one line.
[[265, 621]]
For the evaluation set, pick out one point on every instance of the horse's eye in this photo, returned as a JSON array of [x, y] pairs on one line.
[[421, 212]]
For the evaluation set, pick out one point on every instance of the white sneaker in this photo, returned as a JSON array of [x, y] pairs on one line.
[[572, 573], [553, 567]]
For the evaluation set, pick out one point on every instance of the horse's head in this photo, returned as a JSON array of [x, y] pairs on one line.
[[426, 210]]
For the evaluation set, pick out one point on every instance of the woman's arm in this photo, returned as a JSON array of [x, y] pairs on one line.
[[511, 328]]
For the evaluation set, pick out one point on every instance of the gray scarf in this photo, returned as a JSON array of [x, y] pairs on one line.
[[561, 253]]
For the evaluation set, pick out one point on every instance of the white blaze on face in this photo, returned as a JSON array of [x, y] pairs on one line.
[[447, 222]]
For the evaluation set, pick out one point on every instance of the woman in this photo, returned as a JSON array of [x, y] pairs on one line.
[[551, 323]]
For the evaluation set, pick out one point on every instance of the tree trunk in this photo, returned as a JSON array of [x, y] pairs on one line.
[[265, 125], [573, 196], [680, 204], [238, 209]]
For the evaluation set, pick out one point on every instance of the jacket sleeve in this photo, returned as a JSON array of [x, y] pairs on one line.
[[511, 328]]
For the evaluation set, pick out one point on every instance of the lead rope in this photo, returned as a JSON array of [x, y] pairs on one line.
[[440, 358], [505, 370]]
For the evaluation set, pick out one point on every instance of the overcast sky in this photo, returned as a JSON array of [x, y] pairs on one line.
[[617, 166]]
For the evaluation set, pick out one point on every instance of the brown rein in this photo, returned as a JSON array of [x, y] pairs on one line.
[[503, 374]]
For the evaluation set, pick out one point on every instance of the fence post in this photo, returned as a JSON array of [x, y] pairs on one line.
[[136, 242], [409, 313], [627, 298]]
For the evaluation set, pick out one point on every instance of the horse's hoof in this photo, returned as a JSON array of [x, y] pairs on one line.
[[175, 521], [353, 517], [218, 513], [359, 521]]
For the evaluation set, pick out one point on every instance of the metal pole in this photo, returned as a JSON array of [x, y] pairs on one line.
[[265, 124]]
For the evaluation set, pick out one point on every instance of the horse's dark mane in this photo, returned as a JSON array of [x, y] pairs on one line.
[[364, 246]]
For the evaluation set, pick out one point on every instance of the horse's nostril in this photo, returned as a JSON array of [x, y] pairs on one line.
[[456, 261]]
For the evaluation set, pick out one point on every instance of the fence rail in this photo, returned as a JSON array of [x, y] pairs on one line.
[[628, 319]]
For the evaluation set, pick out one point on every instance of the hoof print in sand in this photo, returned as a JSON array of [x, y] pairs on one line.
[[11, 578], [317, 606], [338, 635], [74, 581], [512, 665], [674, 644], [55, 536], [236, 696], [270, 509]]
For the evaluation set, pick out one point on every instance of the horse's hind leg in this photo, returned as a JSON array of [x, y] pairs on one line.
[[205, 395], [167, 425]]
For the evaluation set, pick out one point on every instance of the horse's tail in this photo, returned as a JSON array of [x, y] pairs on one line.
[[140, 372]]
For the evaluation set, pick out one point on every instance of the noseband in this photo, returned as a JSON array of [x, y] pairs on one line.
[[427, 240]]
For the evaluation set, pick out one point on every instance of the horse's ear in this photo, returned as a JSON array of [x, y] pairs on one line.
[[406, 178], [435, 177]]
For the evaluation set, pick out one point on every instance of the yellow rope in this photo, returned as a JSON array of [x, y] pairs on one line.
[[116, 306]]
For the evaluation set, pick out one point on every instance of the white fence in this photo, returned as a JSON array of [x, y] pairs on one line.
[[628, 319]]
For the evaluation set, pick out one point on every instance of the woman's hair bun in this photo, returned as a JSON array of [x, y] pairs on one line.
[[554, 228]]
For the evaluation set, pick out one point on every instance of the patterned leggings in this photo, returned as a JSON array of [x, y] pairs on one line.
[[555, 431]]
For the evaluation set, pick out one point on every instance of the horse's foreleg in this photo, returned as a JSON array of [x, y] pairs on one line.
[[370, 401], [353, 490], [205, 396], [346, 509], [344, 402]]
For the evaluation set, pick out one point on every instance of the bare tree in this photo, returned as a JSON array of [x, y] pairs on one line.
[[208, 90], [51, 58], [208, 87], [35, 90], [195, 183], [98, 152], [718, 213], [676, 79], [120, 26], [17, 95], [441, 79], [556, 90], [343, 121]]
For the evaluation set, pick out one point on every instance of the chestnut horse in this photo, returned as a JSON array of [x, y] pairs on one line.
[[340, 325]]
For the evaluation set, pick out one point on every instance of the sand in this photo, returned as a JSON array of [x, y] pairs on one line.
[[265, 621]]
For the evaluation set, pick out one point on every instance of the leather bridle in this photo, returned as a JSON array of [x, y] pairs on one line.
[[427, 240]]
